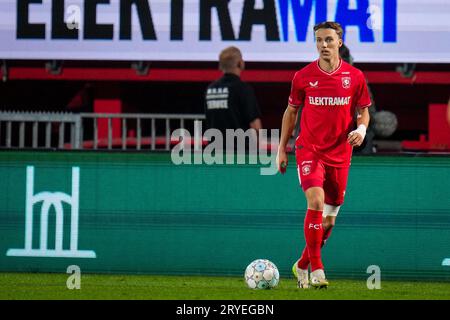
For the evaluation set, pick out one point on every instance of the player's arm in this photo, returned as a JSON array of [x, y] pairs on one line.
[[356, 137], [287, 127]]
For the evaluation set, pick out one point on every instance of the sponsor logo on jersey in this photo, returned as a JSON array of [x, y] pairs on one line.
[[329, 101], [314, 84]]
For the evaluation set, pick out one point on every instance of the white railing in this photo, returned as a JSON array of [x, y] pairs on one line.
[[92, 130]]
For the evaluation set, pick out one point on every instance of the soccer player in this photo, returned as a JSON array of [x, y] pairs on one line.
[[329, 91]]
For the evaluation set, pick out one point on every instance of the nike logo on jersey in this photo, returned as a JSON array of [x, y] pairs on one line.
[[314, 84]]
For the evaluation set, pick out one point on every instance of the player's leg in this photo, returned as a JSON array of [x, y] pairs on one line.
[[334, 189], [302, 263], [311, 172], [313, 227], [334, 186], [328, 222], [306, 167], [314, 234], [313, 237], [335, 183]]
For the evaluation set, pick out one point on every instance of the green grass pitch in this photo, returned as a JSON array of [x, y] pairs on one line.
[[36, 286]]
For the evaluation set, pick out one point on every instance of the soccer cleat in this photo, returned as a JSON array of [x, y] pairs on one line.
[[294, 269], [318, 279], [301, 276]]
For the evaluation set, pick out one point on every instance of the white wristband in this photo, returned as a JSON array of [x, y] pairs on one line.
[[361, 130]]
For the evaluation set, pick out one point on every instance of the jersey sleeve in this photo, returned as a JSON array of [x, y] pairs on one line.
[[297, 93], [362, 94]]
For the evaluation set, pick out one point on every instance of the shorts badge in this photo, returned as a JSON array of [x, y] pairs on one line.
[[306, 169]]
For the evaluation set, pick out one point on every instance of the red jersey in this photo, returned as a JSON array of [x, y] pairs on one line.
[[329, 103]]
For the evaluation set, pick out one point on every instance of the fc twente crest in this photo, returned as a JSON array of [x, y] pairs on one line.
[[346, 81]]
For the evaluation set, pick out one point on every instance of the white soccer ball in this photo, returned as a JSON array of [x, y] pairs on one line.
[[262, 274], [385, 123]]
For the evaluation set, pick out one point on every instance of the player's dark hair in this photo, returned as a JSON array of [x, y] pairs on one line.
[[330, 25], [344, 52]]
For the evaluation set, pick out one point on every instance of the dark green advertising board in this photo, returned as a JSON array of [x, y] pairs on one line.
[[140, 213]]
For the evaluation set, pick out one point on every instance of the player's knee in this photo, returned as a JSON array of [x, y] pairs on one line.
[[315, 203]]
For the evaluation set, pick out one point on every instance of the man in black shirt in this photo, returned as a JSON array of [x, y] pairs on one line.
[[229, 102]]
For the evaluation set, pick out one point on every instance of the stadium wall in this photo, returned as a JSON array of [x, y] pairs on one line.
[[140, 213]]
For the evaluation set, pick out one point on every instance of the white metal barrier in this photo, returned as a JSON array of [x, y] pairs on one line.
[[81, 131]]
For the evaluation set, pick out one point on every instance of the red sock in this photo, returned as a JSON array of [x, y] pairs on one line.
[[303, 262], [313, 235], [326, 235]]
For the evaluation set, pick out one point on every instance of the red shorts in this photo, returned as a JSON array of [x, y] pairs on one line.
[[312, 172]]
